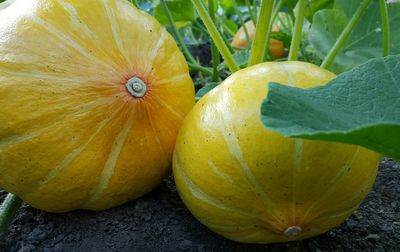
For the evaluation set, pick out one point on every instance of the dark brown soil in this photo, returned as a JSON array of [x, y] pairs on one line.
[[160, 222]]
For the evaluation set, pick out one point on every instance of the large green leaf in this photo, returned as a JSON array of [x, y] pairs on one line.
[[359, 107], [366, 40]]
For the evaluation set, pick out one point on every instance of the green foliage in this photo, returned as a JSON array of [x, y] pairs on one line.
[[358, 107], [284, 37], [365, 41], [288, 7], [8, 210], [146, 5], [204, 90], [229, 24], [229, 7], [316, 5], [181, 10], [241, 57], [193, 33]]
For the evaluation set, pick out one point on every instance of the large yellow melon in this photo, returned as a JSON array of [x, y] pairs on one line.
[[92, 94], [253, 185]]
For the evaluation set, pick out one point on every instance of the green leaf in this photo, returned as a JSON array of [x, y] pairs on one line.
[[181, 10], [358, 107], [289, 5], [192, 36], [365, 42], [281, 36], [204, 90], [241, 57], [229, 7], [231, 25], [145, 5], [316, 5]]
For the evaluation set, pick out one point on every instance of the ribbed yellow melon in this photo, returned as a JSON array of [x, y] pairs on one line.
[[252, 185], [92, 94]]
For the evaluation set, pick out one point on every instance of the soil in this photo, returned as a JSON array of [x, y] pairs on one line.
[[160, 222], [202, 53]]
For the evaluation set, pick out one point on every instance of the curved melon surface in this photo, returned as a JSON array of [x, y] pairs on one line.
[[253, 185], [92, 94]]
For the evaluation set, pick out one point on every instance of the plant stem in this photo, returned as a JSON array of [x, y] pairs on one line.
[[227, 28], [262, 32], [298, 27], [255, 11], [178, 36], [340, 42], [214, 49], [225, 39], [277, 8], [251, 12], [216, 36], [200, 27], [283, 24], [8, 209], [241, 21], [385, 27], [197, 67]]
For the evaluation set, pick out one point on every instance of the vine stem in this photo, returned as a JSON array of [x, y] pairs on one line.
[[251, 11], [178, 36], [277, 8], [345, 34], [262, 33], [241, 21], [8, 209], [225, 39], [298, 28], [214, 49], [275, 13], [223, 26], [197, 67], [200, 28], [215, 35], [385, 27]]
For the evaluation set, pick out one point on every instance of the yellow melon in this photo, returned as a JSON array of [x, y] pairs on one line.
[[92, 94], [253, 185]]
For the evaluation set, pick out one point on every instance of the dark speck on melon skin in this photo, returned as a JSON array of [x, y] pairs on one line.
[[160, 222]]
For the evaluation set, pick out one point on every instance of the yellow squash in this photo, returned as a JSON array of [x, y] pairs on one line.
[[92, 94], [253, 185], [276, 47]]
